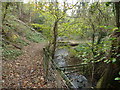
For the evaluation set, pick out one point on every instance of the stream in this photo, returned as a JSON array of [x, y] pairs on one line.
[[78, 80]]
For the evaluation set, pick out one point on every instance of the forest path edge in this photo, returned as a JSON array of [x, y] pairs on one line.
[[27, 70]]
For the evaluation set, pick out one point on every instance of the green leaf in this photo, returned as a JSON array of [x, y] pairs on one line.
[[117, 78], [118, 55], [108, 3], [107, 61], [112, 38], [114, 60]]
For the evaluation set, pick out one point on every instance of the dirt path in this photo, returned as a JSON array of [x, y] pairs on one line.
[[27, 70]]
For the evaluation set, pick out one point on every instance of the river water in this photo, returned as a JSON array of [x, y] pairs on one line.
[[61, 59]]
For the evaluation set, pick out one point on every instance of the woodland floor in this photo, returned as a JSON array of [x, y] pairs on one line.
[[27, 70]]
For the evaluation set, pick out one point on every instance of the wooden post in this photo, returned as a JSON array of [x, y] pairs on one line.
[[62, 74], [45, 63]]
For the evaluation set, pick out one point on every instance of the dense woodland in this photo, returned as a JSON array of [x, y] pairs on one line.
[[92, 29]]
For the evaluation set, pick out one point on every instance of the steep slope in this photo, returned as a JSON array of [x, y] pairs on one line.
[[22, 56], [16, 34]]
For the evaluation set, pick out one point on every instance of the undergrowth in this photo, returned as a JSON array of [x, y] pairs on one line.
[[10, 54], [15, 32], [34, 37]]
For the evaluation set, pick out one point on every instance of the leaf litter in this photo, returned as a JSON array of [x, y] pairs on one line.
[[27, 70]]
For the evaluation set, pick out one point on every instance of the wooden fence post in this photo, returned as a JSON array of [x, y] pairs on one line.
[[45, 63]]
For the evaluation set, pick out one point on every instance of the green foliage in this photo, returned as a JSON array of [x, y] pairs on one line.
[[113, 60], [92, 22], [34, 37], [72, 52], [108, 3], [46, 26], [17, 34], [42, 27], [11, 54], [22, 42], [118, 78], [84, 52], [37, 18]]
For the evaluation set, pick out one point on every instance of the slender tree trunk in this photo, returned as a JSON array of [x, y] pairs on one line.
[[55, 29], [55, 32], [5, 13], [3, 19], [93, 51]]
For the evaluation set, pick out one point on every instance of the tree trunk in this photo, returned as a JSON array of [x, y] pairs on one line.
[[5, 13], [55, 38]]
